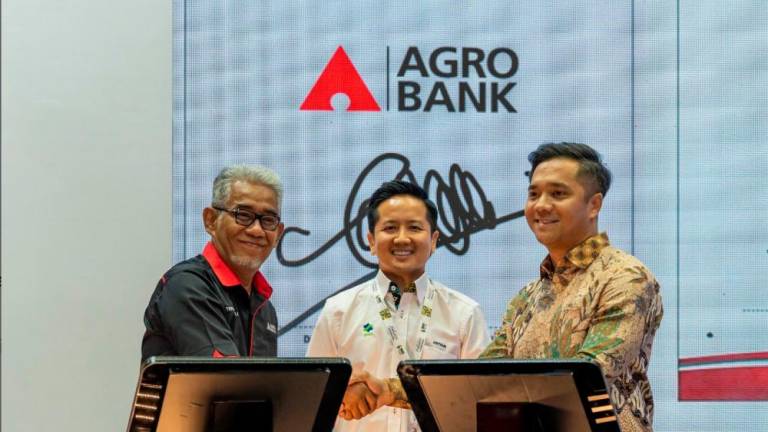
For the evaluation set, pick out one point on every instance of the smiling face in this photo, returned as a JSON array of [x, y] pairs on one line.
[[402, 238], [560, 210], [244, 249]]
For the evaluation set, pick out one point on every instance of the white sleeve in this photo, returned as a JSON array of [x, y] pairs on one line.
[[323, 341], [475, 334]]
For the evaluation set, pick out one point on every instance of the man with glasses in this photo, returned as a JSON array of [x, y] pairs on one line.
[[217, 303]]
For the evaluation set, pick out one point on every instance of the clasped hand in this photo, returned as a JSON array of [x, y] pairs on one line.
[[365, 394]]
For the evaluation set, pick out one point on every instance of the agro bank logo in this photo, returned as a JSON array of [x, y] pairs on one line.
[[446, 79], [340, 76]]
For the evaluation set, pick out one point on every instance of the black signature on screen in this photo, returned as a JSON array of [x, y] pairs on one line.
[[462, 206]]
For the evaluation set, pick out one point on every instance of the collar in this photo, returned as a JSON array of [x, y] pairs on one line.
[[578, 258], [228, 278], [382, 285]]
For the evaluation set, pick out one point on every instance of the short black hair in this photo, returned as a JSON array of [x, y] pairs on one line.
[[590, 162], [399, 187]]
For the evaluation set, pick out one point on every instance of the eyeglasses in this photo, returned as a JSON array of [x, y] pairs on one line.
[[246, 218]]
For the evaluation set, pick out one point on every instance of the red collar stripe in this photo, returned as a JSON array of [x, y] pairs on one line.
[[228, 278], [262, 286]]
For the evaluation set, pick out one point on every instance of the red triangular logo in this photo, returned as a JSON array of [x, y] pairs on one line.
[[340, 76]]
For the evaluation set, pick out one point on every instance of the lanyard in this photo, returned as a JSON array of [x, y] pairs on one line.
[[423, 330]]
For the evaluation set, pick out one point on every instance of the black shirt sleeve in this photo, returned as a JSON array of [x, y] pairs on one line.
[[193, 317]]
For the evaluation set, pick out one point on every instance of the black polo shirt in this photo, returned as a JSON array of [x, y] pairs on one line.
[[199, 308]]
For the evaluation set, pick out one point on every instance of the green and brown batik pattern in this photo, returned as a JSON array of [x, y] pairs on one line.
[[602, 305]]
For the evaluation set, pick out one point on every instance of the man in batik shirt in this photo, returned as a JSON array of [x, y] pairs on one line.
[[592, 301]]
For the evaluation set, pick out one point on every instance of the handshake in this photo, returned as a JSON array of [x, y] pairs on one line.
[[366, 393]]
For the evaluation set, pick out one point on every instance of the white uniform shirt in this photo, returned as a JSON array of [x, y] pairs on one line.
[[350, 326]]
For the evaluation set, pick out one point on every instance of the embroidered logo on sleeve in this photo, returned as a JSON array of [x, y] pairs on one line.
[[271, 327]]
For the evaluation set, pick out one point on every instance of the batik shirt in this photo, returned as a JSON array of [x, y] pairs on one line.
[[601, 305]]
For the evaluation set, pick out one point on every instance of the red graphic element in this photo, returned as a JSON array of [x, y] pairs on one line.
[[724, 384], [340, 76], [723, 358], [724, 377], [218, 354]]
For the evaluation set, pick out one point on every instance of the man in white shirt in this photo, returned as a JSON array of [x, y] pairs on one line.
[[400, 314]]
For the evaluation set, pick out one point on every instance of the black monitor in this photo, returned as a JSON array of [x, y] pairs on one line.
[[508, 395], [193, 394]]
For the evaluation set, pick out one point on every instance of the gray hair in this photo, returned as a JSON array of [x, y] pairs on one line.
[[222, 186]]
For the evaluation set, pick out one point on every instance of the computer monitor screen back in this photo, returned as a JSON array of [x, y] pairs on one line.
[[294, 398], [454, 399]]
